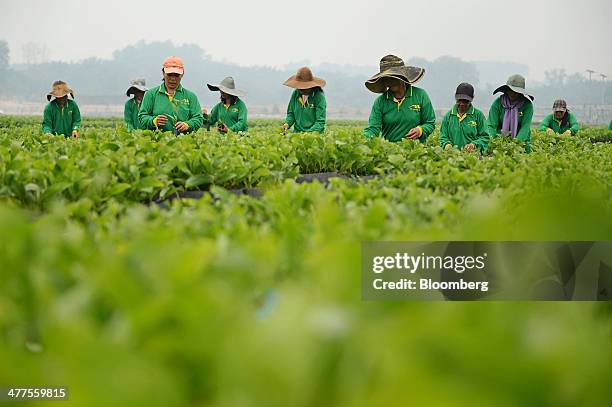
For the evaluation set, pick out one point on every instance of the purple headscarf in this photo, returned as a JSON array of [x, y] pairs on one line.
[[511, 113]]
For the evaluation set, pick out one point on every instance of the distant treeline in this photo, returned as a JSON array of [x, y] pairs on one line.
[[104, 81]]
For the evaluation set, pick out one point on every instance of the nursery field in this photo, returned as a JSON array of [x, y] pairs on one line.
[[150, 269]]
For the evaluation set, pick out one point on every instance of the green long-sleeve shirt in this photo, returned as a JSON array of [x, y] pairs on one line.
[[394, 119], [496, 120], [130, 114], [550, 122], [610, 125], [468, 129], [233, 116], [183, 107], [309, 116], [61, 120]]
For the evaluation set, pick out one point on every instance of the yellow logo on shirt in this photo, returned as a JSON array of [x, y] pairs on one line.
[[415, 107], [520, 113], [472, 123], [235, 110], [305, 105]]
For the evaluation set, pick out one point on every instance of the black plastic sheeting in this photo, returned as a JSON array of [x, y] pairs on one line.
[[322, 177]]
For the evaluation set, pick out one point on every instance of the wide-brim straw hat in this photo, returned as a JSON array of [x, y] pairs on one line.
[[227, 85], [392, 66], [60, 89], [304, 79], [517, 84], [136, 85]]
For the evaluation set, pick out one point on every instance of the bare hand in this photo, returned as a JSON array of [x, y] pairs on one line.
[[413, 134], [448, 147], [223, 128], [567, 133], [49, 134], [285, 127], [162, 120], [204, 111], [181, 127], [550, 132], [469, 147]]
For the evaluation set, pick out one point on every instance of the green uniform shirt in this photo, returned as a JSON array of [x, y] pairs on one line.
[[130, 114], [233, 116], [550, 122], [183, 107], [610, 125], [394, 119], [61, 120], [469, 129], [496, 120], [309, 116]]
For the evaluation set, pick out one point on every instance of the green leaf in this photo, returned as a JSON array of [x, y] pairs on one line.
[[118, 188], [396, 159], [197, 180], [109, 146]]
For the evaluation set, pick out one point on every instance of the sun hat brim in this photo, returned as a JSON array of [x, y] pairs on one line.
[[522, 91], [407, 74], [52, 95], [131, 90], [218, 87], [294, 83]]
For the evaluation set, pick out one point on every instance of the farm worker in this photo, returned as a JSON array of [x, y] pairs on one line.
[[61, 115], [132, 106], [464, 126], [307, 107], [402, 111], [511, 113], [169, 106], [610, 125], [230, 114], [561, 121]]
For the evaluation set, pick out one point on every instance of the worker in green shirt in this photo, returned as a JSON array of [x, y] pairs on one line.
[[561, 121], [132, 106], [464, 126], [171, 107], [307, 107], [231, 113], [61, 115], [511, 113], [610, 125], [402, 111]]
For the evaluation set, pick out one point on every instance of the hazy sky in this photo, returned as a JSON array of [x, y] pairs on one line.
[[543, 34]]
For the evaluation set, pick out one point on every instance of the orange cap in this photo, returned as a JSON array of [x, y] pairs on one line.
[[174, 65]]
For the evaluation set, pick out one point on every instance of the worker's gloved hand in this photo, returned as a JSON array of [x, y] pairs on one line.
[[49, 134], [285, 127], [223, 128], [75, 133], [448, 147], [550, 132], [469, 147], [181, 127], [160, 120], [414, 133], [567, 133]]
